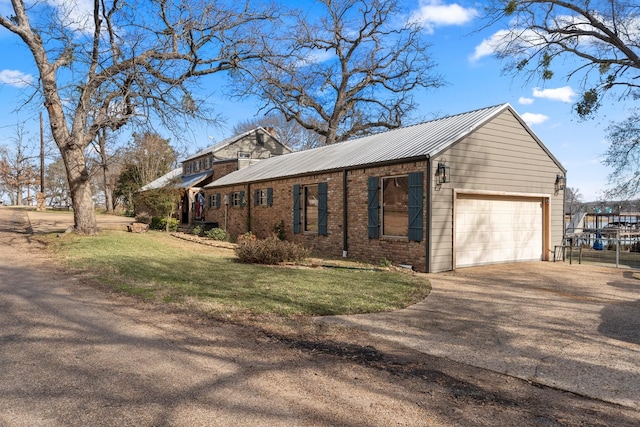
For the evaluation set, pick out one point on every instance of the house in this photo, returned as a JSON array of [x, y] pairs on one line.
[[215, 162], [469, 189]]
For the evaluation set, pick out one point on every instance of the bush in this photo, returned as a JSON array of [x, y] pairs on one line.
[[278, 230], [197, 230], [216, 234], [271, 251], [143, 217], [160, 223]]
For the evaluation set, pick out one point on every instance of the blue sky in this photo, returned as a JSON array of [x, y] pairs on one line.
[[463, 57]]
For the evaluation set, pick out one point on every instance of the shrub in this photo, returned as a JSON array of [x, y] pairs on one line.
[[216, 234], [197, 230], [160, 223], [271, 250], [143, 217], [278, 230]]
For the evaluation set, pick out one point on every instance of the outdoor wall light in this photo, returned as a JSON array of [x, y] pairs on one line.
[[442, 173], [561, 183]]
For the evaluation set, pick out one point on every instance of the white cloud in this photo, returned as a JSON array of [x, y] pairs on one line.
[[433, 13], [564, 94], [525, 101], [15, 78], [489, 46], [534, 118]]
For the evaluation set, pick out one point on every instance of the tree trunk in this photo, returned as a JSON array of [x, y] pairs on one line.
[[108, 199], [84, 215]]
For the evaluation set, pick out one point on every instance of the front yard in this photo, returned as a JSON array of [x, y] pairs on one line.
[[208, 280]]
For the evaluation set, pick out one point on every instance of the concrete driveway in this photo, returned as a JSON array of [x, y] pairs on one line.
[[571, 327]]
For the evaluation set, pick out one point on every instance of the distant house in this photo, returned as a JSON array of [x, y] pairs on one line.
[[469, 189], [215, 162]]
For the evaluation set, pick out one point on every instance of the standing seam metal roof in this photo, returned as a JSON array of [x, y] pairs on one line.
[[422, 140]]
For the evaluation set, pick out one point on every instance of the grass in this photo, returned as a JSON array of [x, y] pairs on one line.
[[157, 267]]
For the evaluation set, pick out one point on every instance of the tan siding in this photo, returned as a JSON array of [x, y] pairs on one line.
[[501, 156]]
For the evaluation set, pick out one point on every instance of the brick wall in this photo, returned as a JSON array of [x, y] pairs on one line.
[[360, 247]]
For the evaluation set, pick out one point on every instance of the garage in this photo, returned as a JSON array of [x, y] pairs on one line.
[[495, 229]]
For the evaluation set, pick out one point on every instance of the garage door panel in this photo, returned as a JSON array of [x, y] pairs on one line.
[[494, 230]]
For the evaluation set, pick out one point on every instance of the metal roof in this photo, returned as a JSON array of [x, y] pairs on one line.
[[173, 176], [163, 180], [422, 140]]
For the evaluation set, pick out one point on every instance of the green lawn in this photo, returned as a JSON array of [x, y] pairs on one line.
[[166, 270]]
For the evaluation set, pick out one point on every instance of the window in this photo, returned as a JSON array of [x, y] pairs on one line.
[[243, 155], [311, 208], [237, 198], [214, 200], [395, 206], [263, 197]]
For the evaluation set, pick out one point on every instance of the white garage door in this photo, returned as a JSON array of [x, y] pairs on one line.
[[492, 230]]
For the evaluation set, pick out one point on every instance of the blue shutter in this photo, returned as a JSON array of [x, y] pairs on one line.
[[218, 197], [269, 196], [255, 197], [296, 208], [373, 203], [241, 198], [415, 206], [323, 189]]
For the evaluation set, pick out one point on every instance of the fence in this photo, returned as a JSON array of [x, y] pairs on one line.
[[613, 246]]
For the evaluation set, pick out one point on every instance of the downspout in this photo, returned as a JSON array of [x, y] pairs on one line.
[[427, 266], [345, 229]]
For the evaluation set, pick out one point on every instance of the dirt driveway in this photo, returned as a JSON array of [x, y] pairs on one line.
[[573, 327], [74, 355]]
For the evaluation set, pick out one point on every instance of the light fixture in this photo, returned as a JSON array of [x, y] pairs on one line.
[[442, 173], [561, 183]]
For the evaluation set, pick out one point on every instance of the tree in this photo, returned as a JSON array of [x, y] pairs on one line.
[[350, 72], [600, 37], [289, 132], [108, 168], [122, 62], [56, 185], [572, 199], [147, 157], [623, 155], [18, 170], [162, 202]]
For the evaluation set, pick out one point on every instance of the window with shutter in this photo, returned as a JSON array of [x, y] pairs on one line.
[[269, 196]]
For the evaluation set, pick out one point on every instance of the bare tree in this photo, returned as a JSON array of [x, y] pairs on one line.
[[289, 132], [599, 37], [123, 61], [56, 185], [572, 199], [623, 155], [18, 169], [350, 71], [108, 162]]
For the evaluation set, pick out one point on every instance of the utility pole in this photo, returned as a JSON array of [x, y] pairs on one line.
[[40, 197]]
